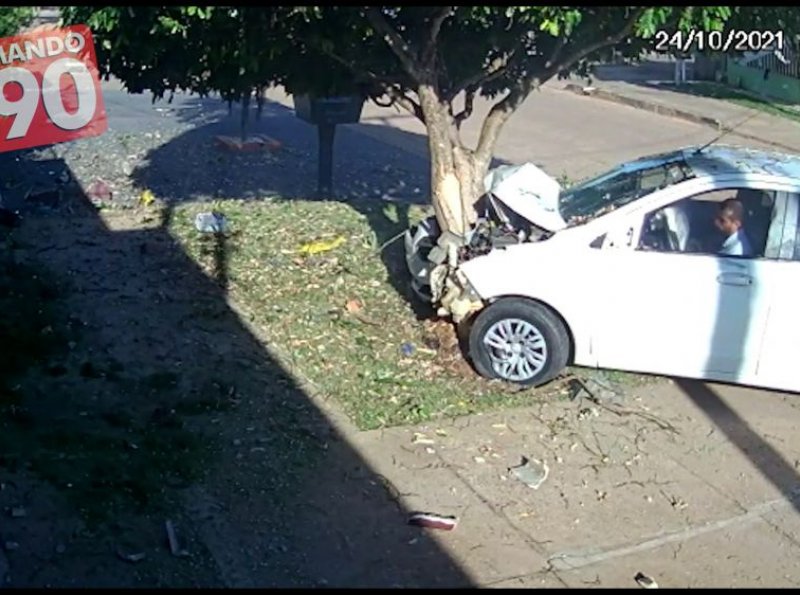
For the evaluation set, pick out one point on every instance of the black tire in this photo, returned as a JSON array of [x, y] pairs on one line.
[[547, 322]]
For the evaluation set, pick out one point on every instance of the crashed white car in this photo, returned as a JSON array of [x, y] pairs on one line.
[[651, 267]]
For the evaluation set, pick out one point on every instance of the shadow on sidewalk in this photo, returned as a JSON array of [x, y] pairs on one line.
[[769, 462], [153, 396]]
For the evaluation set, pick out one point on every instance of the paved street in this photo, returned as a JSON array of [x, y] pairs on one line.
[[557, 129]]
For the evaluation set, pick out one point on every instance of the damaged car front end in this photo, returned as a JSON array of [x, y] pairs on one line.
[[520, 205]]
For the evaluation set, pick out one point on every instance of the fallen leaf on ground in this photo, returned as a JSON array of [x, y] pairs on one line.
[[353, 306], [421, 439], [321, 246], [147, 198]]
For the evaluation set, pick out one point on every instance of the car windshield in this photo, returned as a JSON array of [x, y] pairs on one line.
[[619, 187]]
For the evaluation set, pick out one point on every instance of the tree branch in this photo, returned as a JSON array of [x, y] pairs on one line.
[[556, 51], [469, 102], [394, 40], [502, 110], [438, 19], [558, 65], [355, 68], [497, 68], [403, 100]]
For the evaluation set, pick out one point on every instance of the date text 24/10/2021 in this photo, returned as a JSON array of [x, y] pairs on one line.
[[732, 40]]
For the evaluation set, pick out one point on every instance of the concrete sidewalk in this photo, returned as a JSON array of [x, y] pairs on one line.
[[624, 85], [694, 486]]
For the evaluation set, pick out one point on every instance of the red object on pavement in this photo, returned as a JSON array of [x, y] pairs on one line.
[[430, 520], [49, 88]]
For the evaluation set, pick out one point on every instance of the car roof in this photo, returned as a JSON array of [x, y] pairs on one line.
[[718, 160]]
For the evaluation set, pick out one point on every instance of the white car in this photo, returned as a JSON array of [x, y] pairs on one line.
[[627, 270]]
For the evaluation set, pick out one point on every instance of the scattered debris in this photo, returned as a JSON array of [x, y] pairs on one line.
[[355, 308], [644, 581], [676, 502], [61, 548], [606, 400], [10, 546], [430, 520], [147, 198], [531, 472], [174, 546], [594, 389], [213, 222], [320, 246], [479, 460], [420, 438], [99, 191], [588, 412], [407, 349], [18, 512], [254, 142], [132, 558]]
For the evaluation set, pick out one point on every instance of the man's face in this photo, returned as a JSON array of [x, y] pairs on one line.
[[726, 222]]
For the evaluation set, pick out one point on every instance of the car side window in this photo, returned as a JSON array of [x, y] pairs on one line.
[[731, 222], [783, 240]]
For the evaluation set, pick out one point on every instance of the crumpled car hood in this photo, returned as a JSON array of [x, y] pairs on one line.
[[528, 191]]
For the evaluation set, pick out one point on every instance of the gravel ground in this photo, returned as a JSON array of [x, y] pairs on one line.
[[170, 150]]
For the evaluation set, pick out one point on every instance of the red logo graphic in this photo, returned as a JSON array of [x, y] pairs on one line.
[[49, 88]]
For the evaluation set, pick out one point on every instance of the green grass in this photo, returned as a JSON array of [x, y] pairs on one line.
[[300, 302], [742, 98]]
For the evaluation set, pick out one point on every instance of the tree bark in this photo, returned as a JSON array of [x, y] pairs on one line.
[[245, 116], [457, 172]]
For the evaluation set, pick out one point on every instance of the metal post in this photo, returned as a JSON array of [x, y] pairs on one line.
[[326, 133]]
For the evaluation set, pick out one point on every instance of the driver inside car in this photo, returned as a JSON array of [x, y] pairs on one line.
[[730, 221]]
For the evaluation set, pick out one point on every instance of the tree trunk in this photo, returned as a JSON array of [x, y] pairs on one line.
[[245, 115], [457, 172]]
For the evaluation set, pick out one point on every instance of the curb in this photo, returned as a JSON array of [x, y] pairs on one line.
[[643, 104], [663, 110]]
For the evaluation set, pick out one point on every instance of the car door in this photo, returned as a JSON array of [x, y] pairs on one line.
[[685, 313], [780, 348]]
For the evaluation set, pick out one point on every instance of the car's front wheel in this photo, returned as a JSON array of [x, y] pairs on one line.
[[519, 341]]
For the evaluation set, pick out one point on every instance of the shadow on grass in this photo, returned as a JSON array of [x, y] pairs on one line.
[[134, 391], [375, 167]]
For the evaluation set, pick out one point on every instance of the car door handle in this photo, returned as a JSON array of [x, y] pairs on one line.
[[741, 279]]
